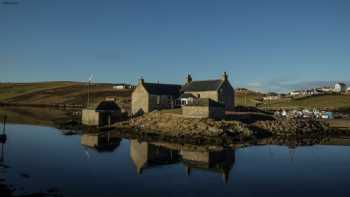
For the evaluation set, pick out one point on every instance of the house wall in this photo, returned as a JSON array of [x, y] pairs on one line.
[[158, 102], [216, 112], [139, 101], [226, 95], [90, 117]]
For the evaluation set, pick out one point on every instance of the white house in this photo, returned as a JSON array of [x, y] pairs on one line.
[[122, 86], [340, 87], [348, 89], [295, 93]]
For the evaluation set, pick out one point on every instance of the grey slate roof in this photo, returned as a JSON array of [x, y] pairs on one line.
[[208, 85], [162, 89]]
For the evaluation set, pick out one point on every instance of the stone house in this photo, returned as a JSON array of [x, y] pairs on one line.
[[148, 97], [219, 90]]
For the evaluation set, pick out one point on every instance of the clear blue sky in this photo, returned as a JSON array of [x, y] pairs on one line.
[[258, 42]]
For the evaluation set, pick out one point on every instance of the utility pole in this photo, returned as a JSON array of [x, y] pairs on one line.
[[89, 87]]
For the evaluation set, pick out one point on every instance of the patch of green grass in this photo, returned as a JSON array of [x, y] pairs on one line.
[[247, 100], [321, 102]]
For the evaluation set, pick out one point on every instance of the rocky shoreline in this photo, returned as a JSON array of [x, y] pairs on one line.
[[174, 126]]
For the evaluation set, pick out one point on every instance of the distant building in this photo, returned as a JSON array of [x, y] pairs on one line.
[[219, 90], [340, 87], [295, 93], [271, 98], [123, 86], [148, 97], [348, 89], [326, 89]]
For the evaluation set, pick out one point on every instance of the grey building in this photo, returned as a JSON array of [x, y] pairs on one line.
[[148, 97], [219, 90]]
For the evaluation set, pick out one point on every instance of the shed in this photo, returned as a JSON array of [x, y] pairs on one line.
[[103, 113]]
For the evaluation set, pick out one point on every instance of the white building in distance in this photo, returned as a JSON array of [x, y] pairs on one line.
[[340, 87]]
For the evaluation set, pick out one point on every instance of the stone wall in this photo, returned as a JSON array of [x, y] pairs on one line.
[[158, 102], [139, 101], [203, 112], [226, 96]]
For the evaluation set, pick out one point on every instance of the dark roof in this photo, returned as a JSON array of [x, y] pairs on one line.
[[187, 95], [107, 106], [342, 84], [162, 89], [205, 102], [208, 85]]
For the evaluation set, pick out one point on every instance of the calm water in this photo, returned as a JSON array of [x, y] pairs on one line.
[[41, 158]]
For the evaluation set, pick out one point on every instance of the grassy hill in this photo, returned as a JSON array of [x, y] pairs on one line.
[[337, 102], [247, 98], [56, 93]]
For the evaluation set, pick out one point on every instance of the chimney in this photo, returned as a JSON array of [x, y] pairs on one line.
[[141, 81], [224, 77], [189, 78]]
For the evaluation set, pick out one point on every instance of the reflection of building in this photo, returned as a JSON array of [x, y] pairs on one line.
[[215, 161], [147, 155], [102, 142]]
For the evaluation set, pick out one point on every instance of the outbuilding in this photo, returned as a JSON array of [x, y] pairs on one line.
[[104, 113]]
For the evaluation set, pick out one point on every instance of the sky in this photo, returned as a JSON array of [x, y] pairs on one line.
[[261, 44]]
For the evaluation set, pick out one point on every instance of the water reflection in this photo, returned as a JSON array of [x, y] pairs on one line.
[[146, 155], [101, 141], [3, 139]]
